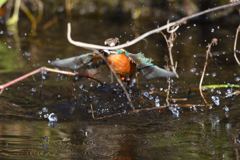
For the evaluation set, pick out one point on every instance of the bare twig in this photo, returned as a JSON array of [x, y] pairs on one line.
[[235, 45], [178, 99], [44, 69], [131, 112], [148, 109], [92, 110], [208, 52], [170, 45], [170, 41], [157, 30]]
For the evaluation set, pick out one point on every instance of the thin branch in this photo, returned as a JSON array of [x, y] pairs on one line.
[[148, 109], [208, 52], [235, 45], [170, 45], [45, 69], [157, 30]]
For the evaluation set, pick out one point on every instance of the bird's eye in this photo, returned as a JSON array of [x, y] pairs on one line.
[[116, 44]]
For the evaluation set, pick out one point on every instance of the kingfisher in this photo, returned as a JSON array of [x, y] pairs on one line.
[[123, 63]]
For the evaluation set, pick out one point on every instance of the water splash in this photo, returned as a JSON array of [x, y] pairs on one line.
[[193, 70], [174, 110], [216, 100], [157, 102], [226, 108], [45, 109], [146, 94], [52, 117]]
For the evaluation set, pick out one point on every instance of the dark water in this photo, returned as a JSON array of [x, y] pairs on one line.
[[184, 133]]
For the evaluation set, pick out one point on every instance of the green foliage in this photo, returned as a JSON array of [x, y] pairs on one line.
[[221, 86], [2, 2]]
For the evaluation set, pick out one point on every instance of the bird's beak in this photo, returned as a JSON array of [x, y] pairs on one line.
[[107, 51]]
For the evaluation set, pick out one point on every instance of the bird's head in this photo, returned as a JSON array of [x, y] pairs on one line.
[[111, 42]]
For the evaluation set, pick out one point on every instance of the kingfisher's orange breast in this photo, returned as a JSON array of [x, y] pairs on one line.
[[121, 65]]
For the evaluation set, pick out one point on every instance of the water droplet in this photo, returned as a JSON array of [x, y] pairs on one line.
[[27, 54], [150, 97], [39, 112], [190, 37], [151, 87], [130, 91], [216, 100], [218, 92], [194, 108], [228, 126], [174, 111], [229, 91], [193, 70], [33, 90], [81, 86], [157, 102], [212, 90], [46, 115], [146, 94], [45, 109], [226, 108], [99, 85], [212, 30], [52, 117], [214, 74]]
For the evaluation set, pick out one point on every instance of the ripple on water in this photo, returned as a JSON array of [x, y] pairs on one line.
[[17, 149]]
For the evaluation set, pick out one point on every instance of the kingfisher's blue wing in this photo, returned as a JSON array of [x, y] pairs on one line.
[[149, 70], [154, 71], [84, 61]]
